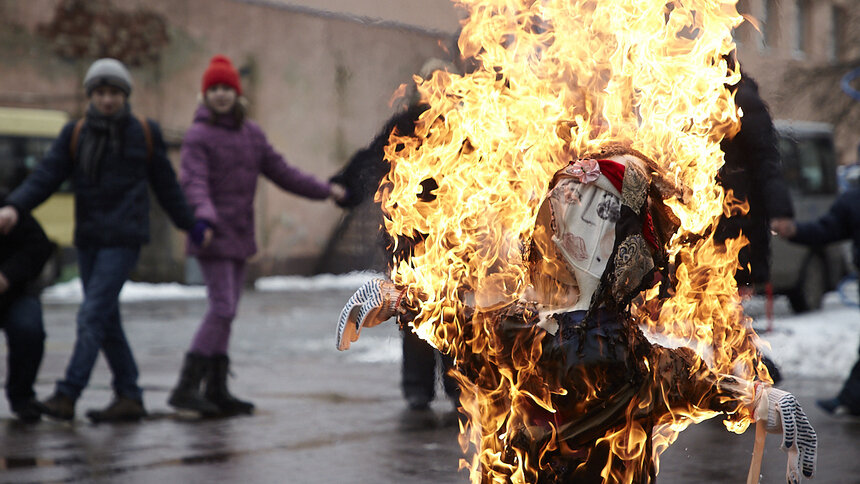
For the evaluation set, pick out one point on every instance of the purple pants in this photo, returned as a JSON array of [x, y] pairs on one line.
[[224, 279]]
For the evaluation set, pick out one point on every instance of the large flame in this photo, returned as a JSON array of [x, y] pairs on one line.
[[555, 79]]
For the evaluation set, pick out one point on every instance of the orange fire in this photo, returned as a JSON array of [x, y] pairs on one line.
[[556, 79]]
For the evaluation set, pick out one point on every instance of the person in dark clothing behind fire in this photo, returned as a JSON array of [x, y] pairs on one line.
[[361, 176], [23, 253], [841, 222], [753, 173], [113, 158]]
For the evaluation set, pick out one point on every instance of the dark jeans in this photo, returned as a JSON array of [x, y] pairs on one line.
[[103, 272], [850, 394], [25, 338], [419, 371]]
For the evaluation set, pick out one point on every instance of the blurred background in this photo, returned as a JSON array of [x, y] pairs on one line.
[[320, 76]]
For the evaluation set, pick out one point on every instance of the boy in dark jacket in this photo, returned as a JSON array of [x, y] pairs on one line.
[[23, 253], [111, 158], [841, 222]]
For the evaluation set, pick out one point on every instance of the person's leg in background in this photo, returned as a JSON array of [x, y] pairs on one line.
[[850, 394], [103, 272], [418, 382], [452, 389], [211, 335], [108, 273], [224, 280], [120, 360], [419, 371], [25, 336], [848, 399], [217, 390]]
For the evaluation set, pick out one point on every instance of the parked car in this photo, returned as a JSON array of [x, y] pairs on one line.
[[809, 167], [25, 137]]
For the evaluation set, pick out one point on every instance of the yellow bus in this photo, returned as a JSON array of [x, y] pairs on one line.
[[25, 137]]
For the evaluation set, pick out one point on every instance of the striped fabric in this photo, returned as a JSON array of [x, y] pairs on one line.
[[798, 437], [363, 306]]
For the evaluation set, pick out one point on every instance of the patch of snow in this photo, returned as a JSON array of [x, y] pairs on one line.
[[818, 344], [72, 292], [376, 349], [319, 282]]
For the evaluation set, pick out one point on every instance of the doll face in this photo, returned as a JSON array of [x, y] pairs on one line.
[[107, 100], [221, 98]]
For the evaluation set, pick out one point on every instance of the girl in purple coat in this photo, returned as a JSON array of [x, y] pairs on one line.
[[223, 154]]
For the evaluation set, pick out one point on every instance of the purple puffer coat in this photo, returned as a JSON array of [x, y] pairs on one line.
[[220, 166]]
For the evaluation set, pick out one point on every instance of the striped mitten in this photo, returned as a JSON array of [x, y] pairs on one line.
[[785, 416], [373, 303]]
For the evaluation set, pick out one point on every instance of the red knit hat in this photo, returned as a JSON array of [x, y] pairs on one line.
[[221, 71]]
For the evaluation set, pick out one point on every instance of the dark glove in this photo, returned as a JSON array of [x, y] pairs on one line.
[[198, 230]]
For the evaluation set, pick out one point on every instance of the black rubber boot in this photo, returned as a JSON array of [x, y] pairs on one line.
[[217, 392], [187, 394]]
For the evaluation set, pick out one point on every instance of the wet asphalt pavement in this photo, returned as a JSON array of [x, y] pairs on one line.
[[322, 416]]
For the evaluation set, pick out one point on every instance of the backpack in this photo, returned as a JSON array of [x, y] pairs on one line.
[[147, 135]]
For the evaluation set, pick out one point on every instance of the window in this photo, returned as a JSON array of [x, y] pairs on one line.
[[770, 19], [803, 26], [741, 33], [838, 33], [808, 164]]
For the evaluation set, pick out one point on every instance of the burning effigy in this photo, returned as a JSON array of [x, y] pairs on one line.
[[552, 226]]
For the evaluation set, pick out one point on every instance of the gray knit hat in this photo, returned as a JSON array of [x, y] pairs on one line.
[[107, 72]]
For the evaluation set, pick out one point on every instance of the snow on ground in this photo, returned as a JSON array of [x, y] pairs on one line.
[[71, 292], [819, 344], [315, 283]]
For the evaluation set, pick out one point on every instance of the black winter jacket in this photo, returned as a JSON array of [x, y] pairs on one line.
[[841, 222], [753, 171], [113, 209], [361, 176], [23, 252]]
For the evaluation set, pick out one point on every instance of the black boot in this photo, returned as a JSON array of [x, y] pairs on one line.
[[29, 410], [217, 392], [187, 395]]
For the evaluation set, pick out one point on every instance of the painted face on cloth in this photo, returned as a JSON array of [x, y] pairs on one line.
[[596, 232]]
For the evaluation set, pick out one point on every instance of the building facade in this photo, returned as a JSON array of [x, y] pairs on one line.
[[799, 51]]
